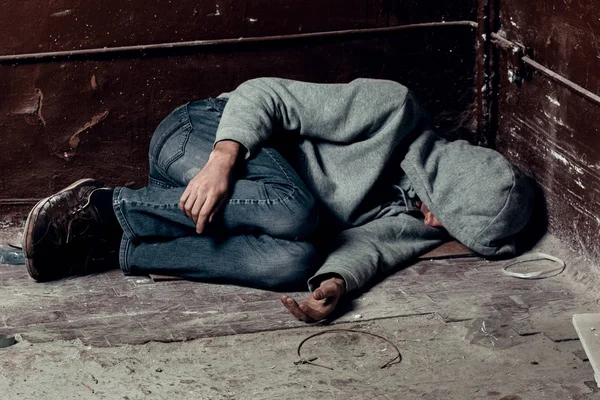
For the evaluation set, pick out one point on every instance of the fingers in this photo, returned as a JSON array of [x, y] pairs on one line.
[[199, 208], [184, 199], [293, 308], [208, 209], [203, 198], [196, 209], [188, 200], [316, 313], [324, 291], [309, 310], [189, 204], [327, 289]]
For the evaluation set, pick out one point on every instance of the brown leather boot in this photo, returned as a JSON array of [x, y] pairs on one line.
[[65, 234]]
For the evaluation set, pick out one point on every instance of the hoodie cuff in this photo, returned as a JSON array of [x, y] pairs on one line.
[[352, 283], [243, 139]]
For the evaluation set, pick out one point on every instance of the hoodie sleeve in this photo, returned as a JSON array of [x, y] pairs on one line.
[[332, 112], [359, 253]]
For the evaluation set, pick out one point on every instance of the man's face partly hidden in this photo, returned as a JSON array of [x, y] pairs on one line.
[[430, 219]]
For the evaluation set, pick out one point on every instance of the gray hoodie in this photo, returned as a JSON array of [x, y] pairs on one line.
[[365, 150]]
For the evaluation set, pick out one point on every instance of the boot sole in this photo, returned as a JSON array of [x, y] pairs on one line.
[[30, 224]]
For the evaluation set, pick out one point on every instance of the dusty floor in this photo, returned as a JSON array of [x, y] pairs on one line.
[[107, 336]]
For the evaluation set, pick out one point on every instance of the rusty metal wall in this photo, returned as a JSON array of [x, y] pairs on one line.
[[546, 127], [75, 117]]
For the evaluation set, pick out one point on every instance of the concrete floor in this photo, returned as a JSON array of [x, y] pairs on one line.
[[107, 336]]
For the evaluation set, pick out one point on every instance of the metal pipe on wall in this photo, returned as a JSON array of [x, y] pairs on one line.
[[16, 58], [507, 45], [562, 80]]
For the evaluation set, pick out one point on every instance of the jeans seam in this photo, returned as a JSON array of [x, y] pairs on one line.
[[160, 183], [156, 206], [275, 201], [127, 230], [155, 151], [182, 145], [125, 243]]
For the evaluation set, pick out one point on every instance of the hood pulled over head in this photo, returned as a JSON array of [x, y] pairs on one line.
[[480, 198]]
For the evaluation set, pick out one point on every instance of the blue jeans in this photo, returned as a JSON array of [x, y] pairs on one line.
[[259, 238]]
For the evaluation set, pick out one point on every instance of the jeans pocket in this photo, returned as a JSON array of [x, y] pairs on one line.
[[170, 137]]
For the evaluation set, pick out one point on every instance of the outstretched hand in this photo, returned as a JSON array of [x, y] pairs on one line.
[[209, 189], [320, 303]]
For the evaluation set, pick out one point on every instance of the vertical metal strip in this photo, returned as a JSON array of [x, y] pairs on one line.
[[493, 91], [483, 73]]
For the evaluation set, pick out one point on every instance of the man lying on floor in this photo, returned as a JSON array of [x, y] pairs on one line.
[[282, 181]]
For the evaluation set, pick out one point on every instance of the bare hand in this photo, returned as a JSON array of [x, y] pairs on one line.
[[209, 189], [320, 303]]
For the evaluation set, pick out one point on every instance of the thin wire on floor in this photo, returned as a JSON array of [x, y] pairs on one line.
[[396, 360]]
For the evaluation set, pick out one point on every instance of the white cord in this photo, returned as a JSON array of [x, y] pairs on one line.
[[537, 274]]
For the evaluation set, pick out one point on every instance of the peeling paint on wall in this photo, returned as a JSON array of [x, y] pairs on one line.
[[75, 139], [40, 103]]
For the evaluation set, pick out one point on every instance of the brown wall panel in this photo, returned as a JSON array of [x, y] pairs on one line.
[[32, 26], [554, 134], [65, 120], [547, 128]]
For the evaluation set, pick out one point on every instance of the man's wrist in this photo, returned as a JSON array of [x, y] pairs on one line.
[[227, 152]]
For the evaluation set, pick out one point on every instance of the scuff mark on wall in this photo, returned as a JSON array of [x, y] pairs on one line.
[[559, 157], [595, 40], [63, 13], [216, 13], [577, 169], [573, 194], [566, 162], [74, 139], [38, 111], [557, 120], [584, 248], [553, 101]]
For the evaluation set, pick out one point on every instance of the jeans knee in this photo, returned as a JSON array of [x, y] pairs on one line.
[[306, 218], [292, 266], [298, 218]]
